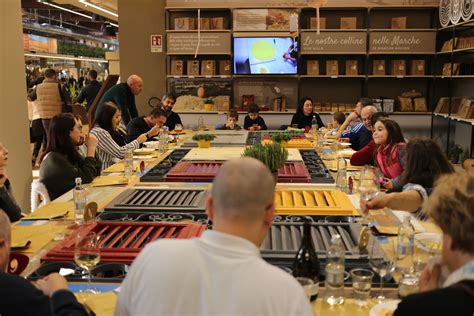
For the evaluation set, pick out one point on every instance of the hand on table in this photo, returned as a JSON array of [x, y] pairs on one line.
[[52, 283], [380, 201], [154, 131]]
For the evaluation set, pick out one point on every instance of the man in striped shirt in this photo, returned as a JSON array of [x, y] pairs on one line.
[[358, 135]]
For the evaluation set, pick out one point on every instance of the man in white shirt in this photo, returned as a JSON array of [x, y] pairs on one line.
[[222, 272]]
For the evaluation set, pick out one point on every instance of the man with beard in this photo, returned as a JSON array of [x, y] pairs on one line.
[[167, 103]]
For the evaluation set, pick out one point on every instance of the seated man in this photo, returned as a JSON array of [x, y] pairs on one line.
[[50, 296], [451, 206], [144, 124], [359, 135], [167, 103], [222, 272], [365, 155]]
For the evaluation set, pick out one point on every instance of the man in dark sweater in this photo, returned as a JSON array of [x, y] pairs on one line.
[[18, 296], [123, 95], [167, 103], [451, 207], [89, 92], [144, 124]]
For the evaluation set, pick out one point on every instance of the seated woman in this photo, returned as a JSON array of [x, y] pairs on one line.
[[390, 152], [304, 114], [451, 206], [107, 122], [425, 164], [63, 163], [7, 201]]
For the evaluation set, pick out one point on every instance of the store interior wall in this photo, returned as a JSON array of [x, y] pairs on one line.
[[138, 20], [14, 124]]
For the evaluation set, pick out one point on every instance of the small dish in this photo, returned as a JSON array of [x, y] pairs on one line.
[[152, 144], [384, 308], [345, 144], [143, 151], [429, 242]]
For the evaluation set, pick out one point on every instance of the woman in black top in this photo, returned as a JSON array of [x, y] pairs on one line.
[[304, 114]]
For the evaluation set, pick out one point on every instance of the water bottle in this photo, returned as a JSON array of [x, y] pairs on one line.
[[334, 294], [128, 164], [341, 178], [406, 238], [200, 122], [314, 126], [306, 262], [80, 201]]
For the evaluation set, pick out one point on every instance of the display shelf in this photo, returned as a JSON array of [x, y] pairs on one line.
[[460, 119], [200, 76], [334, 53], [334, 30], [196, 31], [400, 53], [457, 51], [401, 77], [402, 30], [333, 77], [468, 23]]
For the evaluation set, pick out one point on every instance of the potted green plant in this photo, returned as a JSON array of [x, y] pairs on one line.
[[204, 140], [281, 138], [208, 103], [273, 156], [454, 151]]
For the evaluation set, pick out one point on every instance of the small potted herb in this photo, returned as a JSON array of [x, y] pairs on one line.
[[281, 138], [208, 103], [274, 156], [204, 140]]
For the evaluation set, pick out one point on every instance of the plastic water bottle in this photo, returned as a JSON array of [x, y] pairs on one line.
[[406, 239], [80, 201], [334, 294], [200, 122], [341, 178], [128, 164]]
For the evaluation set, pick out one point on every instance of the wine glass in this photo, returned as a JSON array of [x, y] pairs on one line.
[[87, 255], [381, 262], [369, 186]]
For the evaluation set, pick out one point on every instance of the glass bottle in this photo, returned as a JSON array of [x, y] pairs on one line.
[[80, 201], [334, 294]]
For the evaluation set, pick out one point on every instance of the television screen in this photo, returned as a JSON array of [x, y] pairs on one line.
[[265, 55]]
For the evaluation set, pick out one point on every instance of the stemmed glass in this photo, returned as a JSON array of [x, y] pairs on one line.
[[87, 255], [381, 262], [369, 186]]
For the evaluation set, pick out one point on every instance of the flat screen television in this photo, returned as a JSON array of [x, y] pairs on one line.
[[265, 56]]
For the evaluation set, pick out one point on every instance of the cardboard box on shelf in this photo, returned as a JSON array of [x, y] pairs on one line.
[[208, 67], [451, 69], [205, 24], [418, 67], [177, 67], [348, 23], [442, 106], [192, 68], [216, 23], [420, 105], [465, 110], [332, 67], [399, 23], [406, 104], [379, 67], [224, 67], [312, 67], [399, 68], [184, 24], [352, 68], [318, 107], [313, 23]]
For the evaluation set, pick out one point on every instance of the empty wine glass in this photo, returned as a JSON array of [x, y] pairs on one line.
[[87, 255], [369, 186], [381, 262]]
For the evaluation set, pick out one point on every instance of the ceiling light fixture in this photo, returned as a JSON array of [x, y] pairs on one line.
[[87, 3], [65, 9]]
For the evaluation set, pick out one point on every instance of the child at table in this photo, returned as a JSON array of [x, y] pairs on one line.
[[337, 120], [231, 124], [253, 121]]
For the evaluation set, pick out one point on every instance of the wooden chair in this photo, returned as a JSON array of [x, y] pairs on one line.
[[108, 83]]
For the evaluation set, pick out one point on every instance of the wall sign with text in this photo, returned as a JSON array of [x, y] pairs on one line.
[[402, 42], [333, 42], [186, 43]]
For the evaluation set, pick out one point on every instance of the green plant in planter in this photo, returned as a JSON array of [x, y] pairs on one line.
[[454, 152], [207, 137], [281, 137], [272, 155], [208, 101]]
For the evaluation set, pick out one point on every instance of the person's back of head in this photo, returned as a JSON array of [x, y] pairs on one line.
[[92, 74], [253, 108], [339, 117], [243, 194], [59, 139], [104, 118], [157, 112], [50, 73], [366, 101], [135, 83], [4, 241]]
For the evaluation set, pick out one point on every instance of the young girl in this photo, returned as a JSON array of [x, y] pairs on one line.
[[391, 152]]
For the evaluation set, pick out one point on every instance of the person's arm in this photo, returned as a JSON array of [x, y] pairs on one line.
[[133, 131], [7, 201], [404, 201], [364, 156], [247, 122], [82, 95], [263, 126], [108, 145], [351, 117]]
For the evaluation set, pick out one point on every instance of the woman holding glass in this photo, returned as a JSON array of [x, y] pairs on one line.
[[107, 122], [62, 163], [390, 151], [304, 114]]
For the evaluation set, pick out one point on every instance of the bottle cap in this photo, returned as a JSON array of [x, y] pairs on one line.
[[78, 180]]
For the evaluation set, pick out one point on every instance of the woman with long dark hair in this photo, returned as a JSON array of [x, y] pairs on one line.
[[390, 154], [63, 163], [304, 114], [425, 164], [106, 123]]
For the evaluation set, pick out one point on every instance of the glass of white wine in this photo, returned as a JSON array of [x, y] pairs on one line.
[[87, 255], [381, 262]]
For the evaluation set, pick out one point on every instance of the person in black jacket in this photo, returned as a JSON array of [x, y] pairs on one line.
[[167, 103], [253, 121], [145, 124], [90, 91], [7, 201], [18, 296], [451, 206], [305, 113]]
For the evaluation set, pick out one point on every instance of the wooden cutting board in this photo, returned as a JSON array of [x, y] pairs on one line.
[[228, 153]]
